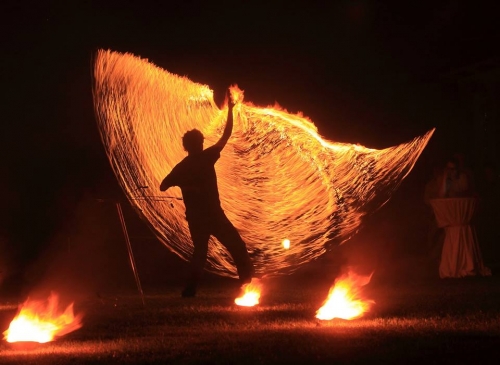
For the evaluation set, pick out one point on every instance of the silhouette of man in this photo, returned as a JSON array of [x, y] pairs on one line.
[[196, 177]]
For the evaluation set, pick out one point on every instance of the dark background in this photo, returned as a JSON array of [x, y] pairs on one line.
[[377, 73]]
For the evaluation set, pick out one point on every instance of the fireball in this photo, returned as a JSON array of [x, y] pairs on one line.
[[286, 243], [344, 300], [42, 321]]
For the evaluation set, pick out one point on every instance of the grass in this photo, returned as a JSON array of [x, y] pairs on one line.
[[421, 321]]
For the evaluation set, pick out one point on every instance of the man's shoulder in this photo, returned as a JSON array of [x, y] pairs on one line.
[[212, 151], [181, 165]]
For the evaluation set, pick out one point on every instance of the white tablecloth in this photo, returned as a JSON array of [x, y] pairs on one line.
[[461, 255]]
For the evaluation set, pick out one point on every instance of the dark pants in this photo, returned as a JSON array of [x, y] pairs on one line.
[[221, 228]]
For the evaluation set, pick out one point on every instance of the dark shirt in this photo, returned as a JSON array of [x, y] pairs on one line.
[[196, 177]]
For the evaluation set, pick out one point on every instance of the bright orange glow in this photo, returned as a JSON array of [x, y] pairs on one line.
[[344, 299], [42, 321], [286, 243], [250, 294], [277, 176]]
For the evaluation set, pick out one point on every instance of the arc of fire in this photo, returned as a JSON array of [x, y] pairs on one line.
[[278, 178]]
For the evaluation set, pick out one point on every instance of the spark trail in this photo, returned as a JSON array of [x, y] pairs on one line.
[[278, 178]]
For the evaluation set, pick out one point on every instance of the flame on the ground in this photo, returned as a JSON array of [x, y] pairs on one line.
[[250, 294], [42, 321], [344, 299]]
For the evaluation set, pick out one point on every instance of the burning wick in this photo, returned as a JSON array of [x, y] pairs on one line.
[[41, 321], [343, 300], [286, 243], [251, 294]]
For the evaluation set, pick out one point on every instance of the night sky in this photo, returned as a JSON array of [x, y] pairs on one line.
[[370, 72]]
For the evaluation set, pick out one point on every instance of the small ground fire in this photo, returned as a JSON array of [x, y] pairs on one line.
[[41, 321], [250, 294], [344, 300]]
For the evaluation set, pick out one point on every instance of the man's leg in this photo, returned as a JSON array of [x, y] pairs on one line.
[[228, 235], [200, 236]]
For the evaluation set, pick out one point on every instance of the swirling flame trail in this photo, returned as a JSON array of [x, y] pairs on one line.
[[278, 178]]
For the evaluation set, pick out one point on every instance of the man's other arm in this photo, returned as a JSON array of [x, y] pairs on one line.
[[166, 183]]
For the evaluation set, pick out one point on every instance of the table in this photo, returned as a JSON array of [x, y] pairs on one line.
[[461, 254]]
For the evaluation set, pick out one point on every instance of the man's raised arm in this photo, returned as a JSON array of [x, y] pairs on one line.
[[229, 124]]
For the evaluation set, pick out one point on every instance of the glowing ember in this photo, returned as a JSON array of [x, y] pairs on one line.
[[250, 294], [277, 176], [286, 243], [41, 321], [343, 300]]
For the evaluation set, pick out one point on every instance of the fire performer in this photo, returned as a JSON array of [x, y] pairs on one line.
[[196, 177]]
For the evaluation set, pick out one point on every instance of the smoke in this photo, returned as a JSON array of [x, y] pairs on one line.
[[85, 256]]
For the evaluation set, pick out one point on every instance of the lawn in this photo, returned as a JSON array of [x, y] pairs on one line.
[[427, 320]]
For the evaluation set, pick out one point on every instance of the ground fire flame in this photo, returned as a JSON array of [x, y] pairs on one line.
[[250, 294], [42, 321], [344, 300]]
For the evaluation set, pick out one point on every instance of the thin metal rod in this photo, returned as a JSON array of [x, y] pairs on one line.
[[130, 253], [156, 198]]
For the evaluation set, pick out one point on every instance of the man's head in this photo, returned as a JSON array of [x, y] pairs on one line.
[[193, 141]]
